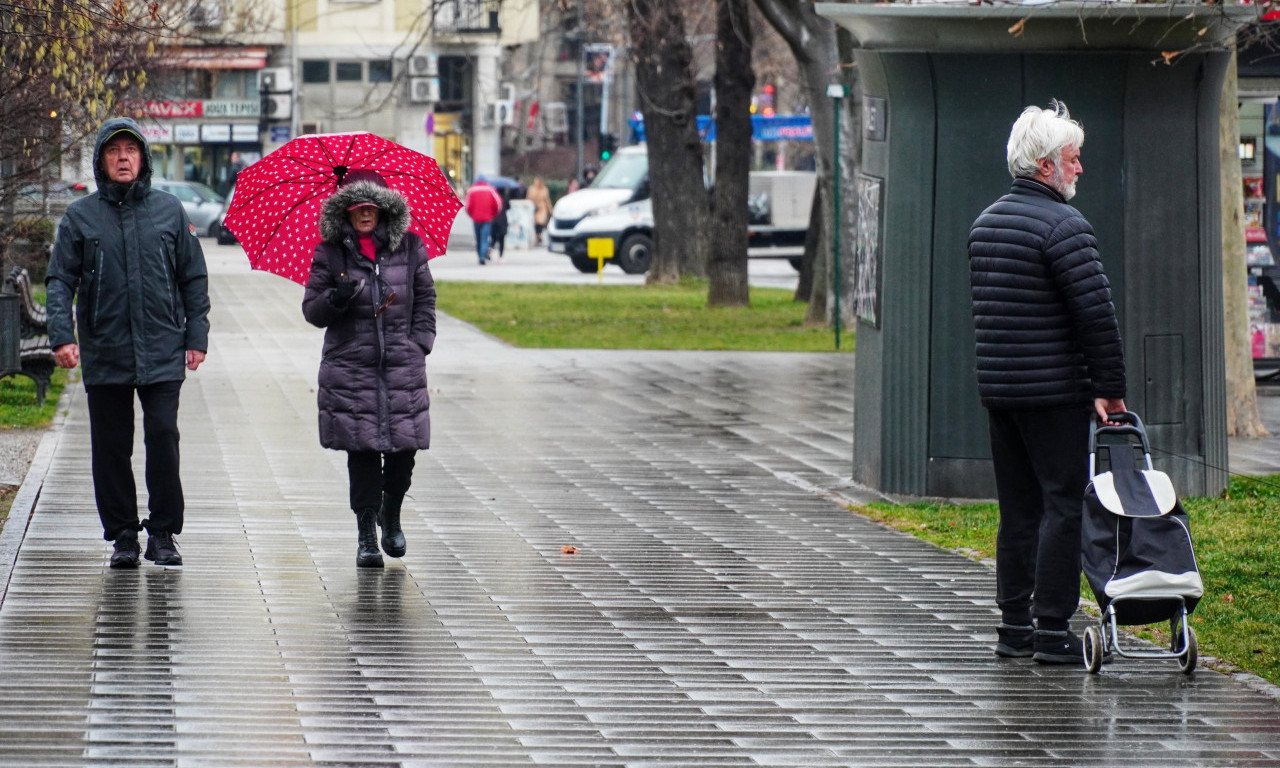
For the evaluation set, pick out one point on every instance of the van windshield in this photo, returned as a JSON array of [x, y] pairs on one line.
[[625, 171]]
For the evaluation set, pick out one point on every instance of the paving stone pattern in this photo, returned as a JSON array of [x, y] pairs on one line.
[[715, 612]]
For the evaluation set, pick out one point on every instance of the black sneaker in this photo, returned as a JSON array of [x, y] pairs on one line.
[[162, 549], [1015, 642], [127, 552], [1058, 647]]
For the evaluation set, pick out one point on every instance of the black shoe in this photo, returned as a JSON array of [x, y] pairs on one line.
[[367, 554], [393, 542], [127, 553], [1058, 647], [1015, 642], [162, 549]]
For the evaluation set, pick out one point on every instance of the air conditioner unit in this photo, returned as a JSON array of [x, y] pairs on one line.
[[275, 80], [278, 106], [500, 112], [422, 65], [424, 90], [205, 14]]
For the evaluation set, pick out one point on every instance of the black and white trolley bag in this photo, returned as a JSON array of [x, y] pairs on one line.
[[1136, 543]]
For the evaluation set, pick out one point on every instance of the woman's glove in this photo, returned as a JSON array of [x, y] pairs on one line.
[[342, 293]]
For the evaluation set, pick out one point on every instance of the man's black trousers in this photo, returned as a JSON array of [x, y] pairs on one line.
[[372, 473], [1041, 465], [111, 442]]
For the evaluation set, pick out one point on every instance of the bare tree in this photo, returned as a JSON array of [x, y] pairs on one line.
[[668, 100], [812, 39], [734, 81]]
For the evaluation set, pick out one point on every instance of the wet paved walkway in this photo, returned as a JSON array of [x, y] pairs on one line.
[[717, 611]]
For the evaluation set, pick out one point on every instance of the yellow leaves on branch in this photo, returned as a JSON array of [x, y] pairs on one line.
[[1017, 29]]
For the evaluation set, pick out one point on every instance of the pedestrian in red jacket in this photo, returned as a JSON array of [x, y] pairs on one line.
[[483, 205]]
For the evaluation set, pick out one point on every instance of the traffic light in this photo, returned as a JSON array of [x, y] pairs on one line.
[[608, 145]]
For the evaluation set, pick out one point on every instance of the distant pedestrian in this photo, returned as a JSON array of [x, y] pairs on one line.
[[371, 290], [540, 196], [500, 225], [483, 204], [1049, 357], [129, 258]]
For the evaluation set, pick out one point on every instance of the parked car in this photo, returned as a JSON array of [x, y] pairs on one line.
[[49, 199], [224, 235], [204, 206]]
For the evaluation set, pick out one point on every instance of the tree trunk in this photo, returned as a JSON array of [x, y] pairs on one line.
[[734, 81], [821, 305], [665, 86], [812, 40], [812, 241], [1242, 395]]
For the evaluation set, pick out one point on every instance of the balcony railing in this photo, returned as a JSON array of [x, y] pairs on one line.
[[467, 16]]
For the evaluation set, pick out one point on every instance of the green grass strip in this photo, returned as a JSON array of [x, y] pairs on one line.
[[635, 317]]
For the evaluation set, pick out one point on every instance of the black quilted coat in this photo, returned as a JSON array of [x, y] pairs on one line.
[[373, 374], [1045, 325]]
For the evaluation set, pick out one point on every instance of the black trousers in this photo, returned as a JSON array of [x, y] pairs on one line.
[[1041, 466], [111, 446], [373, 473]]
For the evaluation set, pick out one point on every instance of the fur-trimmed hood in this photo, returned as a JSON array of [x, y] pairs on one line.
[[394, 212]]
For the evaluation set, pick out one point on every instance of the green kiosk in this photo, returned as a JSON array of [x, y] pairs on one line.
[[942, 84]]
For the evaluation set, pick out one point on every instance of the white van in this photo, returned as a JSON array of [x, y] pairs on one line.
[[624, 179], [617, 207]]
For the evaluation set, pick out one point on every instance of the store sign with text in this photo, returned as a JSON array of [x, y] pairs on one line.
[[245, 108], [210, 108], [166, 108]]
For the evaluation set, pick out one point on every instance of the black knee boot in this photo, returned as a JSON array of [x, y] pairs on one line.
[[367, 555], [389, 518]]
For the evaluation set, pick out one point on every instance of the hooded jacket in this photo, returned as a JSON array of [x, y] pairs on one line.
[[1044, 322], [130, 259], [373, 376]]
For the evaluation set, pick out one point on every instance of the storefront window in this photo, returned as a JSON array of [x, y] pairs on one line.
[[1259, 152]]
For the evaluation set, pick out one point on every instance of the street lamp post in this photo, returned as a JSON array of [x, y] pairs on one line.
[[837, 92]]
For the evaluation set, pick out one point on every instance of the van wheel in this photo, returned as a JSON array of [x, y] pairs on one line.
[[797, 264], [636, 253], [584, 264]]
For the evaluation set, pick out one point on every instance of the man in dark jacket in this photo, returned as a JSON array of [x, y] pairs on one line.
[[130, 259], [1049, 357]]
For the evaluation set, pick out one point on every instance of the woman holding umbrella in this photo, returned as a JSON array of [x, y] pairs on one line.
[[371, 290]]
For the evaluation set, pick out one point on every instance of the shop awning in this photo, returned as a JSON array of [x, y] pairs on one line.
[[237, 57]]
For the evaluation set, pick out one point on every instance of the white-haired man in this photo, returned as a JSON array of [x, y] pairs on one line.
[[1049, 357]]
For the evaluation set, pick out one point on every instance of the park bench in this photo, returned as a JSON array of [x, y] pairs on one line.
[[35, 356]]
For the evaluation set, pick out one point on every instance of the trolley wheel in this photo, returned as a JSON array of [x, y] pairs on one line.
[[1093, 649], [1190, 654]]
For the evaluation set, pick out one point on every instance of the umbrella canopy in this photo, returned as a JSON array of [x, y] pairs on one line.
[[275, 211], [502, 182]]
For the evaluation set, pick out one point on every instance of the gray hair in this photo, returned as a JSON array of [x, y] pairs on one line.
[[1041, 133]]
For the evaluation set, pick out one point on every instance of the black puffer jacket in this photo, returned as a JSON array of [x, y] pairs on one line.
[[373, 374], [1046, 328], [131, 259]]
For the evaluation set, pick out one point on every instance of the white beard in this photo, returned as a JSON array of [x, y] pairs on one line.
[[1067, 191]]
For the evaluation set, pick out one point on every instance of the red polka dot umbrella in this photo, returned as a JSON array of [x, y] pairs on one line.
[[275, 211]]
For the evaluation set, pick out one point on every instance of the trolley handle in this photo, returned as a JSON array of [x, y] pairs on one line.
[[1130, 426]]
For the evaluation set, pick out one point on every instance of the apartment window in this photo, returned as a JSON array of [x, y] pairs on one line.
[[315, 71], [349, 72], [380, 71]]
